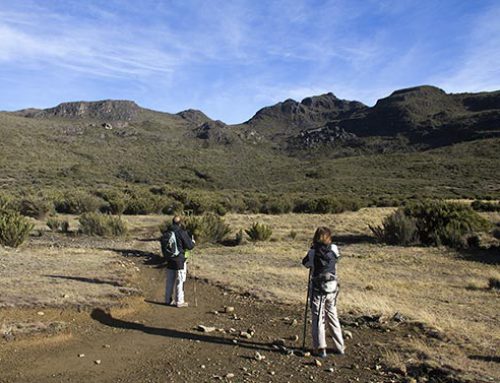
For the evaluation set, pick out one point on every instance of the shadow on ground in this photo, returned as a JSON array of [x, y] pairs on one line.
[[150, 258], [489, 256], [107, 319], [350, 239], [98, 281]]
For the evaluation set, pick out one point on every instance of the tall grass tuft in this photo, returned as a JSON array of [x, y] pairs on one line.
[[102, 225], [259, 232], [207, 228], [397, 229], [35, 207], [14, 228]]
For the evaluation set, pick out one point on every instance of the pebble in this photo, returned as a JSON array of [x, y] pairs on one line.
[[317, 363], [203, 328], [245, 335], [347, 334], [229, 375], [258, 356], [106, 346], [331, 369], [228, 309], [41, 313], [81, 355], [294, 323], [98, 361], [294, 338]]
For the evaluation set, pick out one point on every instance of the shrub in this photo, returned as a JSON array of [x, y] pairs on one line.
[[102, 225], [35, 207], [292, 234], [207, 228], [397, 229], [56, 224], [238, 239], [144, 203], [259, 232], [479, 205], [432, 223], [445, 223], [278, 205], [77, 203], [14, 228], [116, 201]]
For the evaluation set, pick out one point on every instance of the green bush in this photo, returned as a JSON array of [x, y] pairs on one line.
[[494, 283], [102, 225], [479, 205], [143, 203], [496, 232], [207, 228], [397, 229], [259, 232], [14, 228], [77, 203], [276, 205], [56, 224], [445, 223], [432, 223], [116, 201], [35, 207]]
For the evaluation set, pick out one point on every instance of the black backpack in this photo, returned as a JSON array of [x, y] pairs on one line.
[[169, 246]]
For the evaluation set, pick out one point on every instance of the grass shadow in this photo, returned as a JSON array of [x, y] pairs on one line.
[[150, 258], [490, 256], [89, 280], [107, 319], [350, 239]]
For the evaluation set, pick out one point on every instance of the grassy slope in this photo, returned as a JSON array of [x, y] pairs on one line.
[[160, 148]]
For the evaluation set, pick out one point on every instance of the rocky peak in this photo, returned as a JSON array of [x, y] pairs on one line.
[[194, 116], [110, 110]]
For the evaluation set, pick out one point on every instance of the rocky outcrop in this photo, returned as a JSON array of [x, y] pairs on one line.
[[194, 116], [108, 110]]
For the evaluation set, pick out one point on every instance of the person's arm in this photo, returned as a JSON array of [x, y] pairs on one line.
[[307, 261], [187, 243]]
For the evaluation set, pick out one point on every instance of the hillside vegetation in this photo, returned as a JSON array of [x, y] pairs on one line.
[[419, 142]]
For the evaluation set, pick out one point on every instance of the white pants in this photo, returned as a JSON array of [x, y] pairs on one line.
[[324, 313], [177, 278]]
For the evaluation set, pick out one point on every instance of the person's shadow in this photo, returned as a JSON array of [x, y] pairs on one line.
[[107, 319]]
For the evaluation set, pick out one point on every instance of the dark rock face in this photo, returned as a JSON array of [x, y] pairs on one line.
[[326, 135], [109, 110], [310, 113], [425, 116], [214, 131]]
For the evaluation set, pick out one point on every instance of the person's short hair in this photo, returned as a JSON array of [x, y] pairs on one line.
[[322, 236], [177, 219]]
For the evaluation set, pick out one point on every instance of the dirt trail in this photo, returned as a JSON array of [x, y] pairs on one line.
[[150, 342]]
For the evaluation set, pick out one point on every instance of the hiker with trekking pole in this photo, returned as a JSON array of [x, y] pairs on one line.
[[175, 242], [322, 293]]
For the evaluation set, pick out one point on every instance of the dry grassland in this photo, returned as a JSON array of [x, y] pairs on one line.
[[435, 286], [58, 277], [430, 285]]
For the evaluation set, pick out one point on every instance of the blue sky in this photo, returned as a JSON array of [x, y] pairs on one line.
[[230, 58]]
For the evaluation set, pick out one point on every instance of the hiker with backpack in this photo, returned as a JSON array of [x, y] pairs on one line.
[[323, 291], [175, 242]]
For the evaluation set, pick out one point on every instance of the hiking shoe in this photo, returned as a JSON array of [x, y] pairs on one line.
[[321, 353], [183, 304]]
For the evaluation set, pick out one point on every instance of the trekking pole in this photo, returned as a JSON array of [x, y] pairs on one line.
[[305, 311], [194, 286]]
